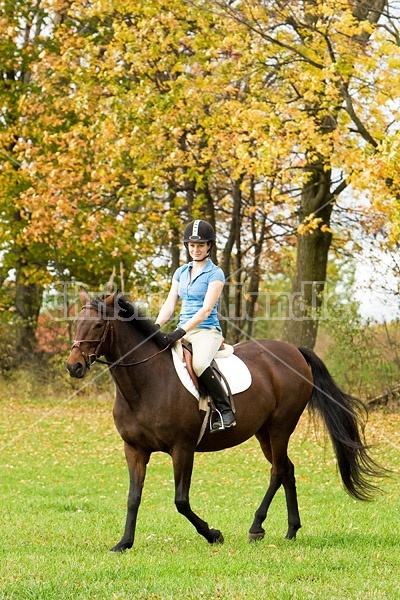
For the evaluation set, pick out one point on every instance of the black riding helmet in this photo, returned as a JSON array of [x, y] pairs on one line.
[[199, 231]]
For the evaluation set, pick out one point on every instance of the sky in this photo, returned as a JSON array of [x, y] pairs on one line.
[[377, 287]]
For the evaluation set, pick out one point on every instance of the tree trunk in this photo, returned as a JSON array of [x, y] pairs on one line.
[[312, 258], [175, 249], [28, 300], [258, 229], [230, 306]]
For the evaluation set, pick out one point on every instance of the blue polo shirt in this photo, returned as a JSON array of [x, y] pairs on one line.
[[192, 293]]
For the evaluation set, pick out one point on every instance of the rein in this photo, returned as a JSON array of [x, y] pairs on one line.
[[132, 364], [90, 359]]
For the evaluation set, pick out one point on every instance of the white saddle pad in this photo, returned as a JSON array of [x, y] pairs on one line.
[[232, 367]]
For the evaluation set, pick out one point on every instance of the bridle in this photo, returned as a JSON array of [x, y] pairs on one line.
[[90, 359]]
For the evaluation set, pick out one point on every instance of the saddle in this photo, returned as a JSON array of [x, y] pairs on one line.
[[230, 368], [188, 359]]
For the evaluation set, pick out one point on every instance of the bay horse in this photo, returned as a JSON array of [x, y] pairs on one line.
[[153, 411]]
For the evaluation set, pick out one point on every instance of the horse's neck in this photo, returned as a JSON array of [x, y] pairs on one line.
[[129, 346], [140, 355], [136, 383]]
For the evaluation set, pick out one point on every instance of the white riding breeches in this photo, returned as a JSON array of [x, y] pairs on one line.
[[205, 345]]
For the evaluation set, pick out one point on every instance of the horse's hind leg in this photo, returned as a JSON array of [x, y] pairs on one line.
[[183, 467], [282, 473], [289, 484]]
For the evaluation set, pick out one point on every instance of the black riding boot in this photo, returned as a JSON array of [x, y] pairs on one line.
[[214, 387]]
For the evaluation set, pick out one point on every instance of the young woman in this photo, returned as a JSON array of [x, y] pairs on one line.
[[199, 284]]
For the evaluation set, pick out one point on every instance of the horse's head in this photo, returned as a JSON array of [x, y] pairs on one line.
[[92, 328], [95, 326]]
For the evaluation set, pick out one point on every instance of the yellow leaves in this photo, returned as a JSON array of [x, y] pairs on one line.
[[158, 96], [310, 224], [393, 62]]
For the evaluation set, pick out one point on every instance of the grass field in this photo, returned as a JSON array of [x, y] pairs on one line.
[[63, 496]]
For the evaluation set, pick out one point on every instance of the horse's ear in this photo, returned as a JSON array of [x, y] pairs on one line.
[[83, 296], [110, 300]]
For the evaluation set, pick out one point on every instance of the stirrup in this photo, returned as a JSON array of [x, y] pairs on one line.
[[221, 421]]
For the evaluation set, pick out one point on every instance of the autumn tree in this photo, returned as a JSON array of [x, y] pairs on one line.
[[22, 23], [134, 118], [179, 130], [63, 171], [326, 63], [200, 121]]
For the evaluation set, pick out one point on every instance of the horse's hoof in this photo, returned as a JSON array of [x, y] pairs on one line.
[[291, 534], [254, 537], [217, 537], [121, 547]]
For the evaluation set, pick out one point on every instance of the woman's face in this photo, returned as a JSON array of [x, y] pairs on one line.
[[198, 250]]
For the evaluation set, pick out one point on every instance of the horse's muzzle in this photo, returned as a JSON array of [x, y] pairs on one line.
[[76, 369]]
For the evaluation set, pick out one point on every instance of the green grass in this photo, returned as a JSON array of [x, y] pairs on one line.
[[63, 496]]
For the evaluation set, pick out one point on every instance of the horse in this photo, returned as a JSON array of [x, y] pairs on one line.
[[153, 411]]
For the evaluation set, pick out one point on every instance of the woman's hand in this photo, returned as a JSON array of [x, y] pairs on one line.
[[172, 337]]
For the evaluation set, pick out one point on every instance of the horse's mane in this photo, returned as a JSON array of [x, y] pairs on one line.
[[132, 314]]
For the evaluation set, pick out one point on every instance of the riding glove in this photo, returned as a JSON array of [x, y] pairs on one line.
[[174, 336]]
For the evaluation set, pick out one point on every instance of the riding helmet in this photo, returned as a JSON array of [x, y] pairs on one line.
[[199, 231]]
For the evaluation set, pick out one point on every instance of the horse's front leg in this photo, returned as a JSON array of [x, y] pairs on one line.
[[137, 460], [183, 467]]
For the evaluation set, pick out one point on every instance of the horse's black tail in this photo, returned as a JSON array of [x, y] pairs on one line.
[[345, 418]]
